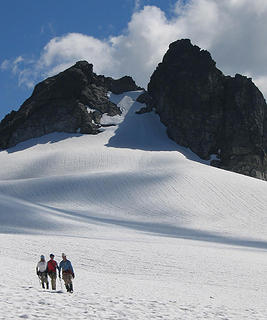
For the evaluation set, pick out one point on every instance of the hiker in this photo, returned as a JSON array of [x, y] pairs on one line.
[[52, 267], [42, 272], [67, 272]]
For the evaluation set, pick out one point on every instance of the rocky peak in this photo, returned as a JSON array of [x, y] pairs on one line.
[[210, 113], [190, 57], [72, 101]]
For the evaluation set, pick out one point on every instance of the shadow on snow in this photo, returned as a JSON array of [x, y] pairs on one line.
[[46, 139], [166, 230], [146, 132]]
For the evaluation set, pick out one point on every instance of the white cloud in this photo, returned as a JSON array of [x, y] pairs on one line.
[[64, 51], [142, 48], [261, 83], [232, 30]]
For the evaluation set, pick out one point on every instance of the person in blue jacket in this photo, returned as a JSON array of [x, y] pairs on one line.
[[67, 272]]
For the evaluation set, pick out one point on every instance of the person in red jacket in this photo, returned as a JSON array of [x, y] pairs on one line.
[[52, 267]]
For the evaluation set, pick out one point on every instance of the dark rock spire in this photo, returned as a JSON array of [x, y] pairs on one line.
[[211, 113]]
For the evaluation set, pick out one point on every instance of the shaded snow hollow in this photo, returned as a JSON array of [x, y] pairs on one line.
[[151, 230]]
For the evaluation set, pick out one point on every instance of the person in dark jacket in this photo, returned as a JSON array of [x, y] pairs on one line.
[[67, 272]]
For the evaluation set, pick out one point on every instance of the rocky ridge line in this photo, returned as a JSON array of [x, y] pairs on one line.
[[72, 101]]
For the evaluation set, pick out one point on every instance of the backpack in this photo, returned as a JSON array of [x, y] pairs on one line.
[[51, 266]]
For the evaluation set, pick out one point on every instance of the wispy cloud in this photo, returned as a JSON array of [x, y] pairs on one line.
[[137, 5], [48, 28], [5, 65], [13, 65], [232, 30]]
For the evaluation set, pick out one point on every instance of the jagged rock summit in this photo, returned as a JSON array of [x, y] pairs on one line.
[[210, 113], [214, 115], [72, 101]]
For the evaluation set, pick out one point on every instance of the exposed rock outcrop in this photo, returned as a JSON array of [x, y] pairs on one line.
[[211, 113], [146, 99], [72, 101]]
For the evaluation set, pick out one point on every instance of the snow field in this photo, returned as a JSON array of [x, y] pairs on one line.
[[152, 231], [134, 276]]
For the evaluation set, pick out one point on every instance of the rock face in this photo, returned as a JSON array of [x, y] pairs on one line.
[[210, 113], [72, 101]]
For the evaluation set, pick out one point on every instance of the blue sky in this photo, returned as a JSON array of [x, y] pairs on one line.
[[27, 26], [42, 38]]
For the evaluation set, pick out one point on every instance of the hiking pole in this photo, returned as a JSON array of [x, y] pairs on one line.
[[60, 282], [39, 280]]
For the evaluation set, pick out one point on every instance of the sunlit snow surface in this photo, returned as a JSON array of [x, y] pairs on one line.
[[151, 231]]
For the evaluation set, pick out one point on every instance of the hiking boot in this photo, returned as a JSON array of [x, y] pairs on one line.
[[71, 288]]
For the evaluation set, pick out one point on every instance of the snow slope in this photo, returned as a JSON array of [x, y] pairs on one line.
[[152, 231]]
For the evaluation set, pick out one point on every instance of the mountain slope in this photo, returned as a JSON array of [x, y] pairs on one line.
[[132, 173], [152, 231]]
